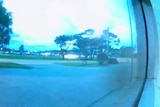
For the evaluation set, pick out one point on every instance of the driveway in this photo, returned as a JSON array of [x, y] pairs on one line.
[[51, 85]]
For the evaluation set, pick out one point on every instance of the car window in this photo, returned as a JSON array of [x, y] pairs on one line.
[[66, 53]]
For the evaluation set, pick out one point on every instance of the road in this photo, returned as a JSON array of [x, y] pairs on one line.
[[51, 85]]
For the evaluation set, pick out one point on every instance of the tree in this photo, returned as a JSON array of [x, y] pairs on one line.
[[89, 32], [62, 42], [96, 45], [110, 41], [21, 49], [83, 42], [5, 25], [107, 42], [89, 45], [83, 45]]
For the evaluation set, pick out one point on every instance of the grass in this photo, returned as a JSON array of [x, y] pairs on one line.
[[34, 57], [77, 63], [58, 60], [13, 65]]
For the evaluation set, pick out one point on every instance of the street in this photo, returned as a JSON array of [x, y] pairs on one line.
[[51, 85]]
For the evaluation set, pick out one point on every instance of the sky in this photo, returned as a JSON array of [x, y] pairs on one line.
[[36, 23]]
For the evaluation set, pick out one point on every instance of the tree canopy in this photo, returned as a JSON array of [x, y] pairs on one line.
[[87, 44], [62, 42], [5, 25]]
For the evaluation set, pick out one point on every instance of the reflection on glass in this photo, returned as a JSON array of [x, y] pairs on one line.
[[79, 53]]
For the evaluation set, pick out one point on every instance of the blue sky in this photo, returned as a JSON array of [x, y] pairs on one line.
[[38, 22]]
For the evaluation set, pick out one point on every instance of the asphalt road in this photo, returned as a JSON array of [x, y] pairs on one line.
[[51, 85]]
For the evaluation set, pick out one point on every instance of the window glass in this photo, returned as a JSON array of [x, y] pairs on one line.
[[156, 8], [66, 53]]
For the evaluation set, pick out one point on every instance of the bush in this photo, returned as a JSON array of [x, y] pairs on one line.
[[112, 61], [102, 58]]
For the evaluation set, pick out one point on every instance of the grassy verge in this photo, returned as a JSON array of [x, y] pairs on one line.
[[77, 63], [13, 65], [34, 57], [57, 60]]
